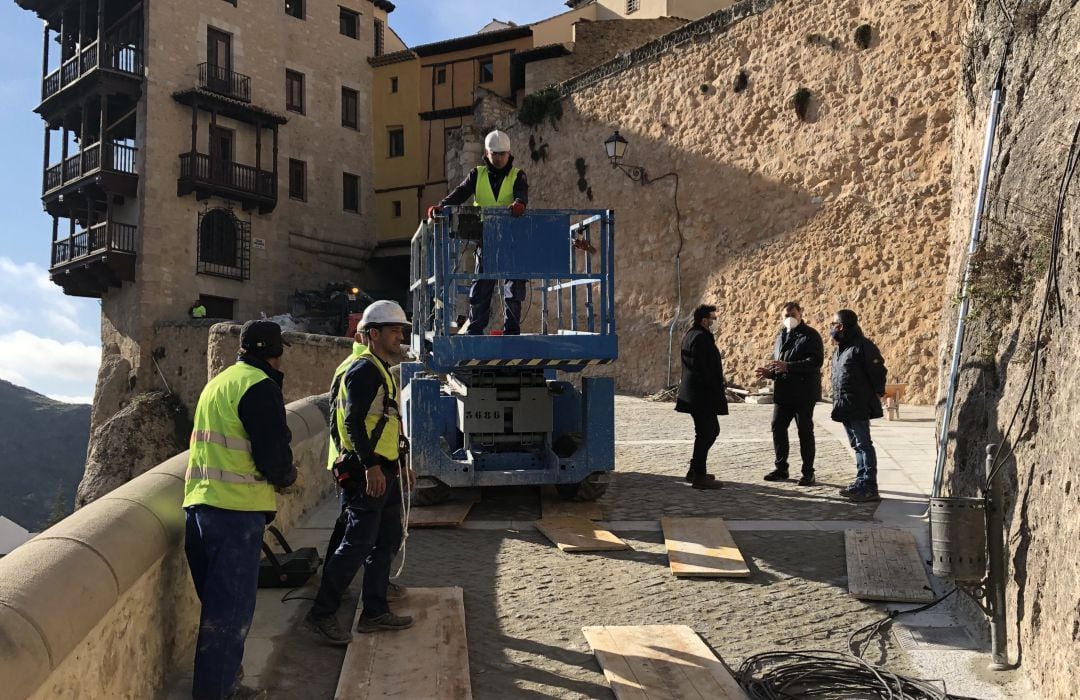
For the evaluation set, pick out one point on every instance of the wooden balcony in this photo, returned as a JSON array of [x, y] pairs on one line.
[[91, 176], [92, 261], [114, 69], [225, 82], [206, 176]]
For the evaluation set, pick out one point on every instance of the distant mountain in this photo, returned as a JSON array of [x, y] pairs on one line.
[[42, 455]]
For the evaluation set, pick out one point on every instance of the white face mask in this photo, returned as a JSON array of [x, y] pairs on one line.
[[791, 322]]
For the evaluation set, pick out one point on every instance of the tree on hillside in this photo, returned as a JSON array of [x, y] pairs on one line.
[[59, 509]]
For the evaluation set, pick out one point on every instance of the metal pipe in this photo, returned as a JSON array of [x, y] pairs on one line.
[[995, 559], [961, 323], [678, 313]]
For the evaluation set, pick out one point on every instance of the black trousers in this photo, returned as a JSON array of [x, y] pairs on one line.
[[706, 430], [804, 421]]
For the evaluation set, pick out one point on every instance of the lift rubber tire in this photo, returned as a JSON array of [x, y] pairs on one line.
[[431, 496], [590, 489]]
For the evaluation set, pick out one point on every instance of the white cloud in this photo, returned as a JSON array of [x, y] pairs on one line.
[[71, 399], [30, 360], [8, 316], [64, 324]]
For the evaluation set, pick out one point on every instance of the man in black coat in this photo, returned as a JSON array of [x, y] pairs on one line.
[[858, 383], [796, 371], [701, 393]]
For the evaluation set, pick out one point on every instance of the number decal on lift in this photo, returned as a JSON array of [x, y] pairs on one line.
[[483, 415]]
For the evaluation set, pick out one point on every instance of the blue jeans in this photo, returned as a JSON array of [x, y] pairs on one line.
[[858, 432], [371, 538], [223, 549]]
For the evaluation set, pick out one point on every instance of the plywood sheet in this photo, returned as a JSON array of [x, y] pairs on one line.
[[443, 515], [661, 661], [428, 661], [884, 564], [702, 547], [555, 507], [575, 534]]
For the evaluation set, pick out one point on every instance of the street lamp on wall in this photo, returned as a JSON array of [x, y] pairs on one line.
[[615, 145]]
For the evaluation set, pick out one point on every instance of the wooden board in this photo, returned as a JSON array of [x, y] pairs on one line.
[[661, 661], [555, 507], [443, 515], [574, 534], [884, 564], [702, 547], [428, 661]]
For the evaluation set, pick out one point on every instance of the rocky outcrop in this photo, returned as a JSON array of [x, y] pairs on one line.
[[151, 428]]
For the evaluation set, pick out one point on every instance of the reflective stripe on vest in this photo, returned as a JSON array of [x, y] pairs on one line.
[[381, 405], [337, 404], [485, 196], [221, 472]]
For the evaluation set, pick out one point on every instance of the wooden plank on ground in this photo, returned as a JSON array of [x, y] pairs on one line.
[[443, 515], [702, 547], [428, 661], [661, 661], [555, 507], [884, 564], [574, 534]]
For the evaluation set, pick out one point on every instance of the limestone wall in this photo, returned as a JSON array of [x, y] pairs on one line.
[[845, 207], [1040, 115], [103, 600], [308, 364]]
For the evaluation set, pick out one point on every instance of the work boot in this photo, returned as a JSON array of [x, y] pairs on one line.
[[386, 621], [707, 483], [807, 479], [864, 493], [847, 490], [396, 591], [244, 692], [777, 475], [328, 628]]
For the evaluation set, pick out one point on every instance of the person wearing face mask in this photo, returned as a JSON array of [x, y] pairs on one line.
[[858, 383], [701, 393], [796, 373]]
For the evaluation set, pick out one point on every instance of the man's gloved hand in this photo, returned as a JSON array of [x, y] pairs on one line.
[[433, 211], [294, 486], [517, 209]]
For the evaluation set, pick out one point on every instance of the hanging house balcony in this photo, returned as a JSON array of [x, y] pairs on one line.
[[95, 259], [90, 176], [114, 68], [225, 82], [205, 176]]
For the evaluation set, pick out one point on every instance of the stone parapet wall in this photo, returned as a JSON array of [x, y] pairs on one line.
[[103, 600], [845, 206]]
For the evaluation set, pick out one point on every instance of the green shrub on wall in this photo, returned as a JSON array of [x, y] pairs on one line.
[[541, 105]]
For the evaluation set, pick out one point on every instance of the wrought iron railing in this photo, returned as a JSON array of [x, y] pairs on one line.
[[225, 82], [116, 157], [219, 172], [100, 238], [119, 56]]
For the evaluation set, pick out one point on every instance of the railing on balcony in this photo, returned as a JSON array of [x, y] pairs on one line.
[[101, 238], [117, 56], [225, 82], [116, 157], [217, 172]]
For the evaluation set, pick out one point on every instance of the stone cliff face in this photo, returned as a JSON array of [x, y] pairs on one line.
[[1039, 118], [812, 147]]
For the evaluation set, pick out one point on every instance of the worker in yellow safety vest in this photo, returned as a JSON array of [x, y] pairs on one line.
[[239, 455], [369, 470], [495, 183]]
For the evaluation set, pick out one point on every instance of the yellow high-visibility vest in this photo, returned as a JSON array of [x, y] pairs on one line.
[[485, 196], [221, 472], [337, 405], [382, 406]]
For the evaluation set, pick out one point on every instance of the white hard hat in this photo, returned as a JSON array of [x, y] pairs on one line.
[[497, 142], [383, 313]]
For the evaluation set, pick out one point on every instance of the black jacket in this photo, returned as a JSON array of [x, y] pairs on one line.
[[858, 378], [804, 354], [463, 193], [262, 412], [362, 382], [702, 387]]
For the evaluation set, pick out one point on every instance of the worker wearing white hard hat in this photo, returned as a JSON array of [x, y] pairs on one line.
[[495, 183], [371, 471]]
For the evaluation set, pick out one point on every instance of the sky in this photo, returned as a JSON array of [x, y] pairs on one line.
[[50, 342]]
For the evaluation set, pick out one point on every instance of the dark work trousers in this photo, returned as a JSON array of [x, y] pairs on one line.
[[480, 303], [371, 538], [804, 421], [223, 549], [706, 430]]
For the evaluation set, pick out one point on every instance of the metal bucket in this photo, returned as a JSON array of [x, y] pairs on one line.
[[958, 538]]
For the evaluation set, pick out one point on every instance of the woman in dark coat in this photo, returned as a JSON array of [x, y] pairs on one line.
[[701, 393]]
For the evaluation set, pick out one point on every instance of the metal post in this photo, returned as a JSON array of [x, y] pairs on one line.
[[995, 555], [958, 342]]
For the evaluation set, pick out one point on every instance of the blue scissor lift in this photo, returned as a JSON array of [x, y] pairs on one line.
[[489, 410]]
